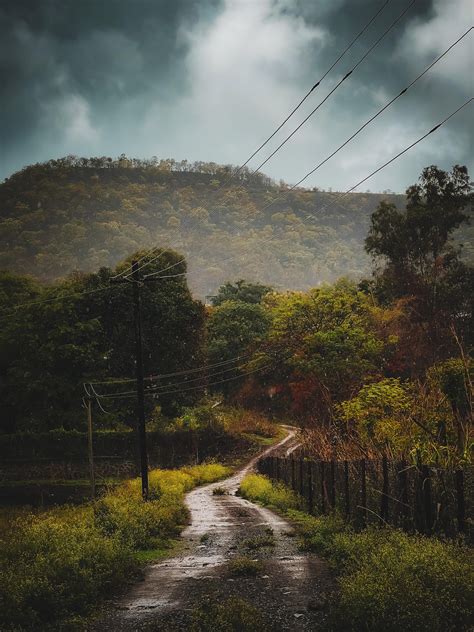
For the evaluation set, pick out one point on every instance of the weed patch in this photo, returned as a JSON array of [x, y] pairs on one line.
[[58, 563], [389, 580], [261, 489], [244, 567], [259, 542], [232, 615], [219, 491]]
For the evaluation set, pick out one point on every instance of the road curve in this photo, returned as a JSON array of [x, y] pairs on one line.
[[287, 590]]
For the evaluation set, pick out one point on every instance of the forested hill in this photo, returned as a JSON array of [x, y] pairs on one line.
[[78, 213]]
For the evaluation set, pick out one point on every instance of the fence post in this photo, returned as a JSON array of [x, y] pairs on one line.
[[293, 475], [347, 506], [460, 500], [323, 488], [302, 477], [427, 498], [403, 484], [385, 490], [310, 486], [363, 491], [332, 498], [277, 468], [419, 513]]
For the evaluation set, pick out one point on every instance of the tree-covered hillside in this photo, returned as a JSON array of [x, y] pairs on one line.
[[78, 213]]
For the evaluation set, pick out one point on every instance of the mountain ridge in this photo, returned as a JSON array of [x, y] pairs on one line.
[[83, 213]]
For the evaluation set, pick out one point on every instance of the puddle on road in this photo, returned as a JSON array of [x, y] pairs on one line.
[[217, 517]]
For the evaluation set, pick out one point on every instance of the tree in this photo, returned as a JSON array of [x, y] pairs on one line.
[[49, 348], [381, 413], [321, 346], [414, 239], [421, 261], [241, 291], [234, 329]]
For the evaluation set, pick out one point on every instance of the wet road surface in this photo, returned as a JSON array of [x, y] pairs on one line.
[[289, 589]]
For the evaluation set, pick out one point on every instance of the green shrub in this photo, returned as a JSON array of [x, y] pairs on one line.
[[260, 488], [394, 581], [62, 561], [391, 581], [318, 532], [244, 566], [55, 564], [259, 541], [219, 491], [206, 473], [232, 615]]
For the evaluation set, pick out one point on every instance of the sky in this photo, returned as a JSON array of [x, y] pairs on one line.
[[211, 79]]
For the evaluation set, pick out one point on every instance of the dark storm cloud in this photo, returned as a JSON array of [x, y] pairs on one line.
[[207, 79]]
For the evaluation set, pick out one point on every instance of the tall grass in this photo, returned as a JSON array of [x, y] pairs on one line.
[[261, 489], [59, 563], [388, 580]]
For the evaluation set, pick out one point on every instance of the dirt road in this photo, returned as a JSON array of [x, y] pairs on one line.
[[288, 587]]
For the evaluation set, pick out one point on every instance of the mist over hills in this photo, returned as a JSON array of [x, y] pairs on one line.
[[81, 214]]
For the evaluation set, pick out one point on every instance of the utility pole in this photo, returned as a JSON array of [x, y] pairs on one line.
[[90, 447], [141, 432], [137, 317]]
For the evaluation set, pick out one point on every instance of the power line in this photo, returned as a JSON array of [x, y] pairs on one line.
[[157, 387], [130, 394], [175, 374], [13, 308], [345, 193], [57, 298], [348, 74], [348, 47], [340, 82], [370, 120], [139, 260], [147, 263], [436, 127]]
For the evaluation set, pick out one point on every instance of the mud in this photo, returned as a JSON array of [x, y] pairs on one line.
[[289, 589]]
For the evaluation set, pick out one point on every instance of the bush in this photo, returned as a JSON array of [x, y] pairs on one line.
[[244, 566], [260, 488], [55, 564], [393, 581], [389, 580], [233, 615], [61, 562], [207, 473]]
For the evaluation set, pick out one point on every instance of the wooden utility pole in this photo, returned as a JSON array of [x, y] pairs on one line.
[[137, 317], [140, 428], [90, 447]]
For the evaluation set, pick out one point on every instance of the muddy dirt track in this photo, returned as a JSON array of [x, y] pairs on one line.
[[288, 589]]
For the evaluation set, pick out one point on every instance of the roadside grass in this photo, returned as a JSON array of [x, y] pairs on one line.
[[59, 563], [276, 495], [259, 542], [244, 566], [219, 491], [388, 580], [231, 615]]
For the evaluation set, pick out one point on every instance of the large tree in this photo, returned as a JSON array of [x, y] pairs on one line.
[[321, 346], [420, 260], [48, 347], [241, 290]]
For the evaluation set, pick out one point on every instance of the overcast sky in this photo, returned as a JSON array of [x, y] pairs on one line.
[[210, 79]]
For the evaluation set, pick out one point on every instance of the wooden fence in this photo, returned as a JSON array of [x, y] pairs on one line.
[[415, 498]]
